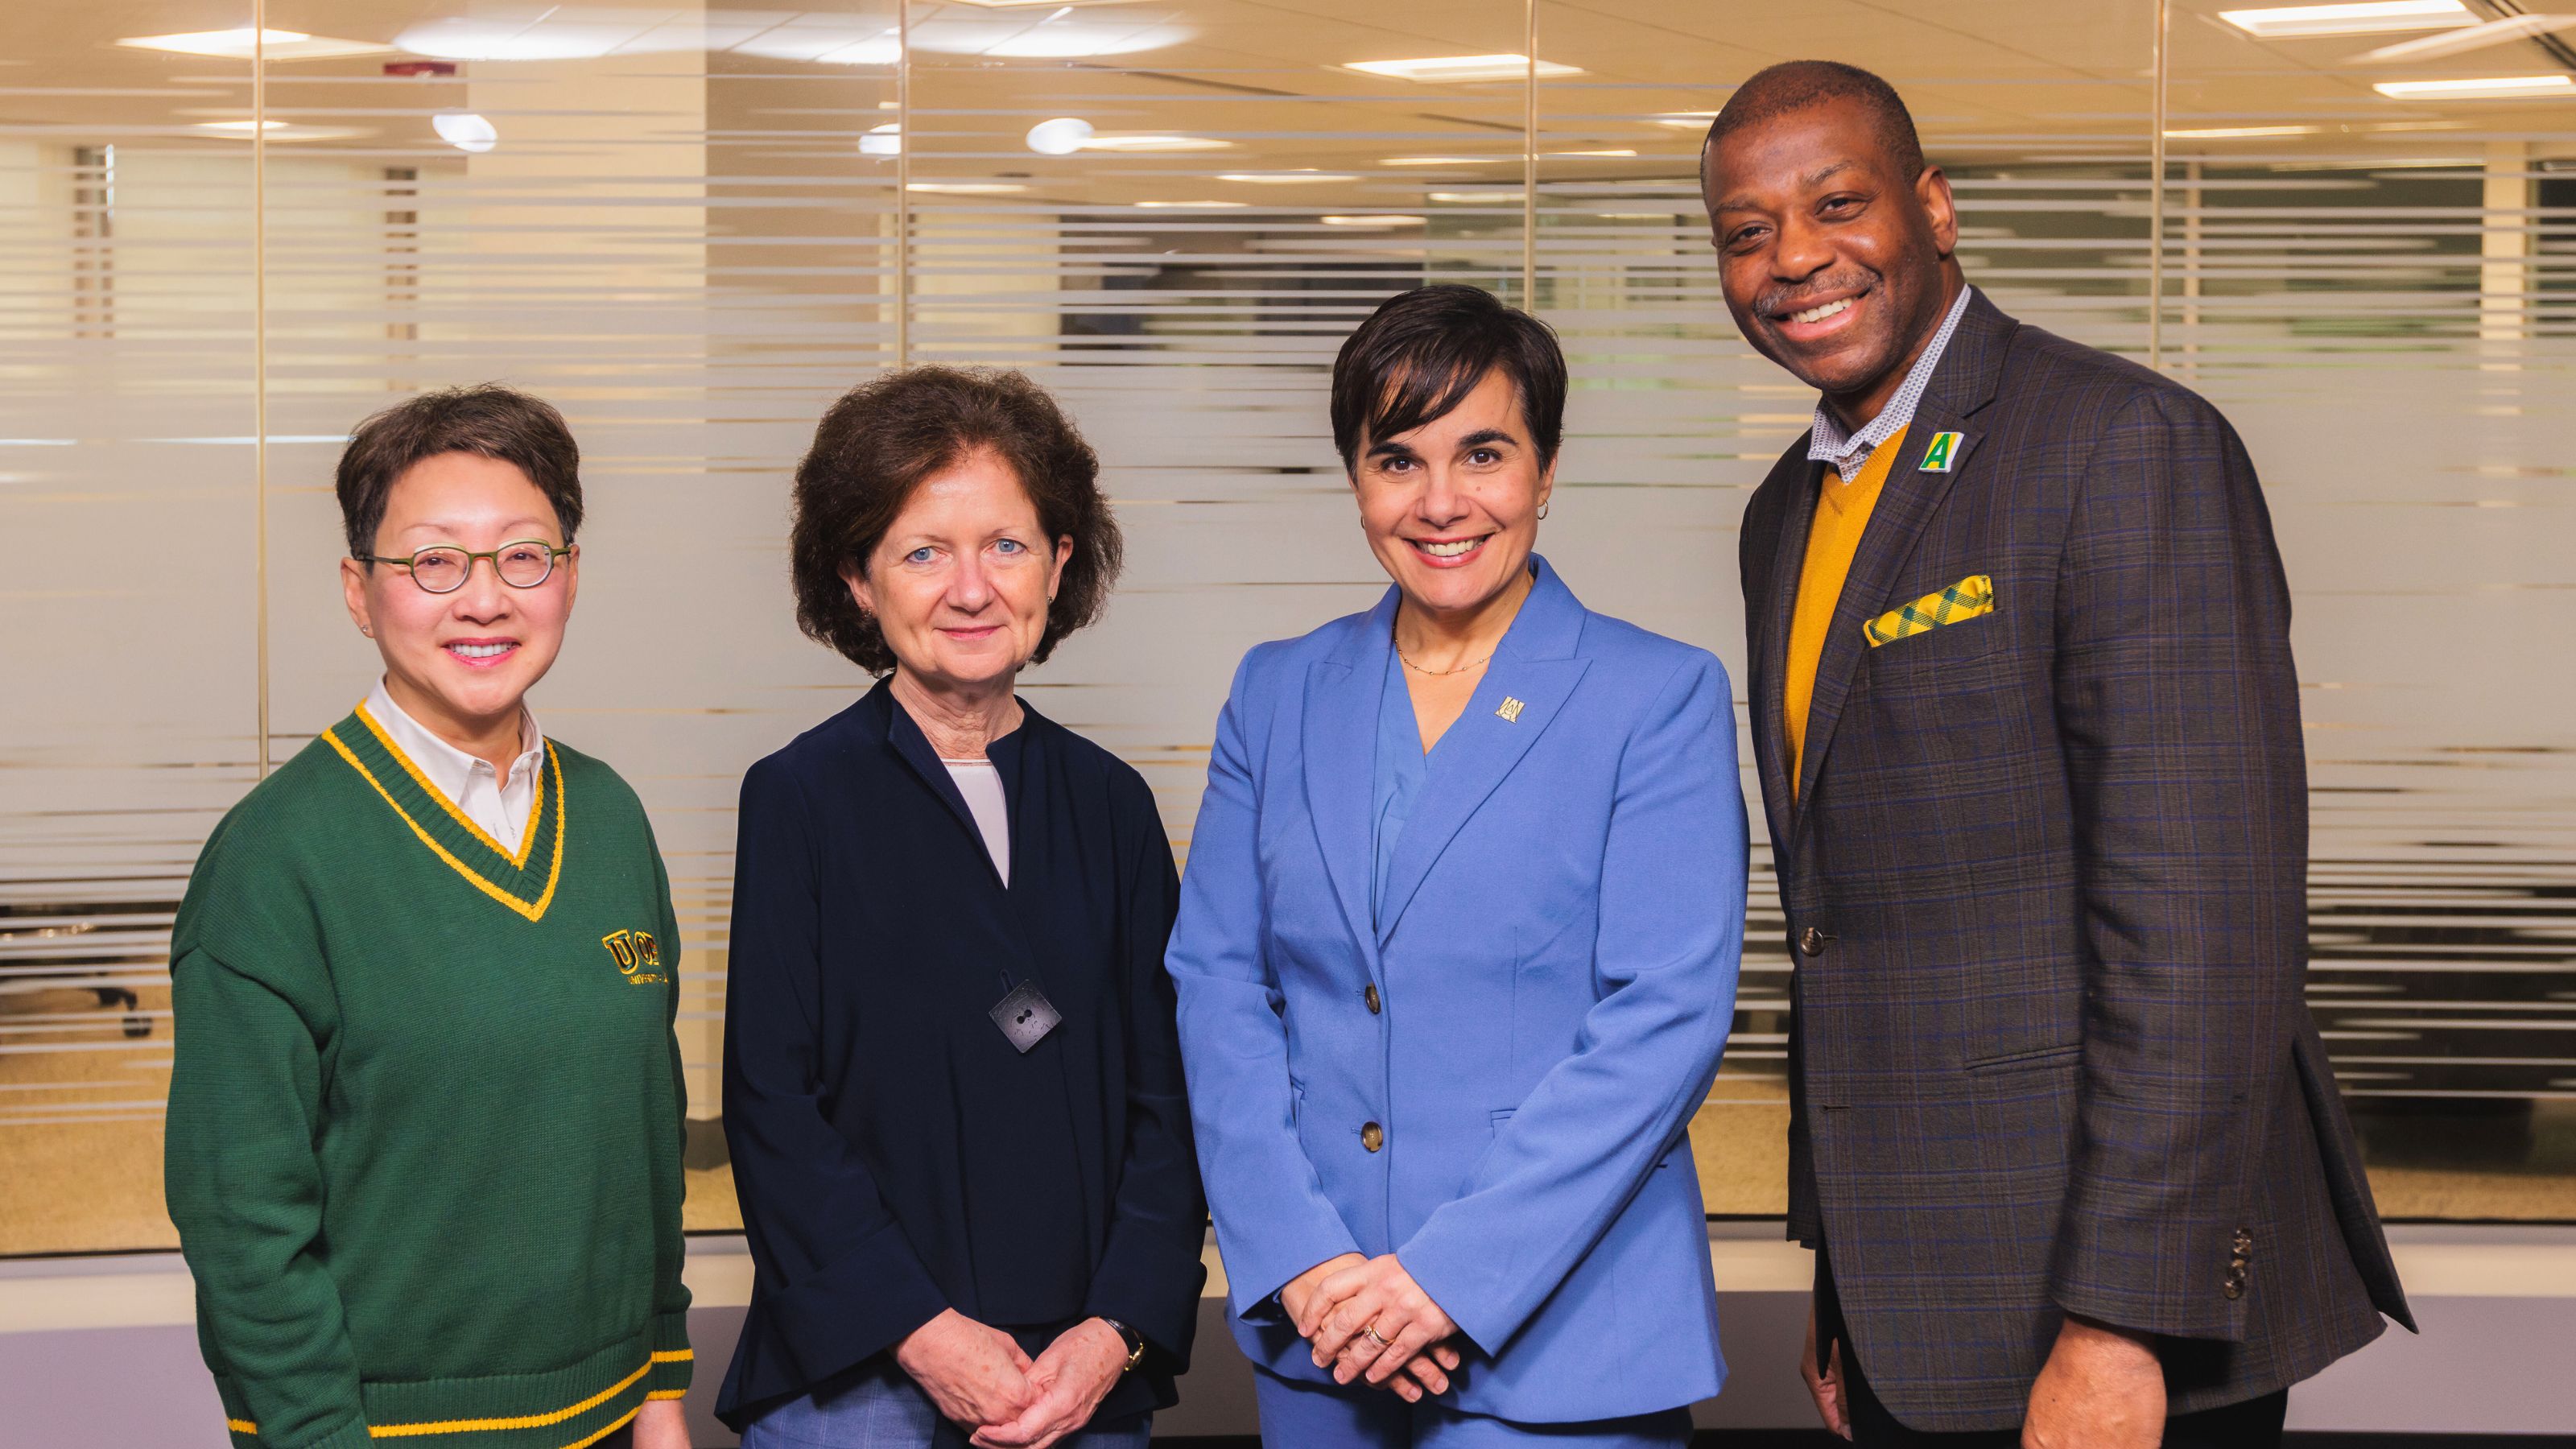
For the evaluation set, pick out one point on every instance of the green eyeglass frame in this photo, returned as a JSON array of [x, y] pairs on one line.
[[511, 564]]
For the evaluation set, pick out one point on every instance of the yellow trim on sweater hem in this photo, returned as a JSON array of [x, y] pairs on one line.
[[532, 910], [585, 1441], [518, 859], [531, 1421], [524, 1421]]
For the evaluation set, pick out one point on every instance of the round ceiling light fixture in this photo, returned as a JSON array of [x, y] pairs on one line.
[[1060, 137], [465, 131]]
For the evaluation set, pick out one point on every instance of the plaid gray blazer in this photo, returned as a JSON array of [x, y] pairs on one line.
[[2046, 895]]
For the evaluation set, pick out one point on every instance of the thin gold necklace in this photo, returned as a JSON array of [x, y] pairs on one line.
[[1418, 669]]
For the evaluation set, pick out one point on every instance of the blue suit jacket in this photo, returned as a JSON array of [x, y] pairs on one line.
[[1556, 972]]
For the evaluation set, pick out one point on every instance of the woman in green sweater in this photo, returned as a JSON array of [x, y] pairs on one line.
[[425, 1124]]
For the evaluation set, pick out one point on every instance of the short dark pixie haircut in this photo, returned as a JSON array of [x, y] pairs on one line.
[[884, 439], [1419, 355], [1794, 85], [490, 421]]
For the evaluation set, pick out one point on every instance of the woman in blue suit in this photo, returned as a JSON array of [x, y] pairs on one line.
[[1457, 949]]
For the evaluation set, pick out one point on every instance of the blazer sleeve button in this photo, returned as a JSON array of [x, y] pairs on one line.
[[1372, 1136]]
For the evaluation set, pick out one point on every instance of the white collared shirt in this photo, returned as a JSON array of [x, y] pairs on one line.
[[980, 781], [1848, 453], [498, 806]]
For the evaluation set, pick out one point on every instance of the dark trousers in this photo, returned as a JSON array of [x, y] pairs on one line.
[[2254, 1424]]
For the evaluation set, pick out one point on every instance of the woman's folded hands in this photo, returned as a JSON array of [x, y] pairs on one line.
[[1368, 1320]]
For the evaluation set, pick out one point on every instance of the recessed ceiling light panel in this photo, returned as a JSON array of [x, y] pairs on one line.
[[1283, 178], [2375, 17], [278, 131], [1453, 68], [273, 44], [2231, 133], [2482, 88], [1050, 37], [1150, 145]]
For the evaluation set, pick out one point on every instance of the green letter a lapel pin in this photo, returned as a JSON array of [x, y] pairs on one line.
[[1943, 453]]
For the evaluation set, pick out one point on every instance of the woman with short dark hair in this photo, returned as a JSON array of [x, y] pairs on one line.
[[952, 1086], [425, 1121], [1457, 952]]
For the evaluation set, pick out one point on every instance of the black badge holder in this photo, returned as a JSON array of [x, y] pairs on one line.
[[1025, 1016]]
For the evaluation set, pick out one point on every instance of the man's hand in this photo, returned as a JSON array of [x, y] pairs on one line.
[[1071, 1378], [976, 1375], [2102, 1388], [661, 1424], [1378, 1318], [1825, 1382]]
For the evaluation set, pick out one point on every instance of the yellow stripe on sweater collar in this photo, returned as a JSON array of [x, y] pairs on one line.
[[532, 910]]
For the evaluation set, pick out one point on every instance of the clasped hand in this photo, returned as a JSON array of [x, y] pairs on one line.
[[978, 1377], [1368, 1320]]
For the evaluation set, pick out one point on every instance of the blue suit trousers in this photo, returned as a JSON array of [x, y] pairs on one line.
[[1296, 1415]]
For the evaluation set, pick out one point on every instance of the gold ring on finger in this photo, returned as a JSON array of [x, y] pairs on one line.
[[1373, 1336]]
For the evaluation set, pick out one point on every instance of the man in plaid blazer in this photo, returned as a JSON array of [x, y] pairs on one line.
[[2062, 1130]]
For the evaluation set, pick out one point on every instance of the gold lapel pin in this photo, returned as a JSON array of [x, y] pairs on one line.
[[1510, 710]]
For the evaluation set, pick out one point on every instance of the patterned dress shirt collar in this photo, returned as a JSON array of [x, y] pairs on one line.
[[1846, 452]]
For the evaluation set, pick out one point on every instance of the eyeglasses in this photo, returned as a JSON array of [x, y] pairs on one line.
[[443, 570]]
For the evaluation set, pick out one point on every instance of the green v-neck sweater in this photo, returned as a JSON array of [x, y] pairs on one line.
[[425, 1123]]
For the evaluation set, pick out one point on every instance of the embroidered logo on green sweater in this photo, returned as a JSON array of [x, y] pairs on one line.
[[635, 951]]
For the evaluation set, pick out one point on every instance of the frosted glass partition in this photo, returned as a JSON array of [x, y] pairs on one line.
[[129, 664], [692, 226], [2367, 248]]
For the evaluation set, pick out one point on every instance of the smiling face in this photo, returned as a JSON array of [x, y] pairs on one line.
[[461, 663], [961, 581], [1451, 508], [1836, 266]]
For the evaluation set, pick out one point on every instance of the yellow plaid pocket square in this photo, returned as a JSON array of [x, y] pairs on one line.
[[1970, 598]]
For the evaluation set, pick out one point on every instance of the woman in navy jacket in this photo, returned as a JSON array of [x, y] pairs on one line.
[[1457, 950], [952, 1083]]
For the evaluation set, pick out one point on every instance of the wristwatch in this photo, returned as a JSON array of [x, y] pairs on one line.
[[1135, 1343]]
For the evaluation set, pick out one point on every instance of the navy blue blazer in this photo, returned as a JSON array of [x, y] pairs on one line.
[[1494, 1078], [894, 1155]]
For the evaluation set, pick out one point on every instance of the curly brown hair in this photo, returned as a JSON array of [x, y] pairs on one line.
[[885, 438]]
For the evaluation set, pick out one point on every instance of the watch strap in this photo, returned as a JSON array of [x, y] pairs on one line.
[[1135, 1343]]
